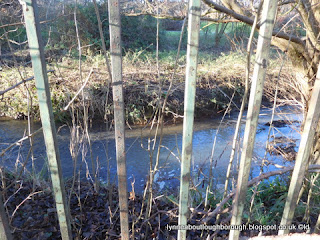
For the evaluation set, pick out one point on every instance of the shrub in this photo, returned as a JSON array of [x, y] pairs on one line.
[[137, 31]]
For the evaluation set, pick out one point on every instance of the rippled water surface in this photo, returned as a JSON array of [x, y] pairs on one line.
[[138, 156]]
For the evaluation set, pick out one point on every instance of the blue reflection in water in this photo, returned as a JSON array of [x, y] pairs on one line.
[[138, 156]]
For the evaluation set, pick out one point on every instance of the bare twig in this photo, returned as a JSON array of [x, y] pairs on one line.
[[27, 198], [23, 81], [20, 187], [19, 141], [22, 23], [79, 91]]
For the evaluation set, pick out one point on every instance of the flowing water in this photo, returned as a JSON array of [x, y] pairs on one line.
[[138, 155]]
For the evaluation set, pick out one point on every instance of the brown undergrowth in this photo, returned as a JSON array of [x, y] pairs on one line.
[[32, 213], [219, 78]]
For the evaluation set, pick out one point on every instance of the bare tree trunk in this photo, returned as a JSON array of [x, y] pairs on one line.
[[303, 156], [5, 233], [39, 67], [243, 104], [190, 92], [118, 101], [220, 28], [103, 41], [104, 49], [265, 34]]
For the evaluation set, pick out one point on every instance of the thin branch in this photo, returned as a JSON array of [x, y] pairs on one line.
[[79, 91], [250, 21], [27, 198], [19, 141], [23, 81], [22, 23], [286, 2]]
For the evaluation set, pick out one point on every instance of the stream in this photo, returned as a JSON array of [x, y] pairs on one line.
[[138, 156]]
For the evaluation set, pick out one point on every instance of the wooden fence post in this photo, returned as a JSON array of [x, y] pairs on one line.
[[189, 102], [30, 11], [259, 73], [118, 101]]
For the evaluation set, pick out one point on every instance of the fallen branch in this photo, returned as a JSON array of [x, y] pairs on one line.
[[23, 81], [253, 181]]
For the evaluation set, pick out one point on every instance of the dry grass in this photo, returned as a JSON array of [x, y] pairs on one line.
[[219, 77]]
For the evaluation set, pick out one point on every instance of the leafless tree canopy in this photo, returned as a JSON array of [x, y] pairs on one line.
[[296, 28]]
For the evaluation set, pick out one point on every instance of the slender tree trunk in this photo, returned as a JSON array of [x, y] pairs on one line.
[[39, 68], [220, 28], [190, 91], [302, 159], [118, 101], [104, 49], [5, 233], [243, 104], [103, 41], [265, 34]]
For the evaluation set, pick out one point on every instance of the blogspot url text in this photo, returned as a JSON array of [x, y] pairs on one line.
[[242, 227]]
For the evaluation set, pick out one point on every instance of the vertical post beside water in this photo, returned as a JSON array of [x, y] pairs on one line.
[[30, 11], [303, 156], [118, 101], [189, 99], [259, 73], [5, 232]]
